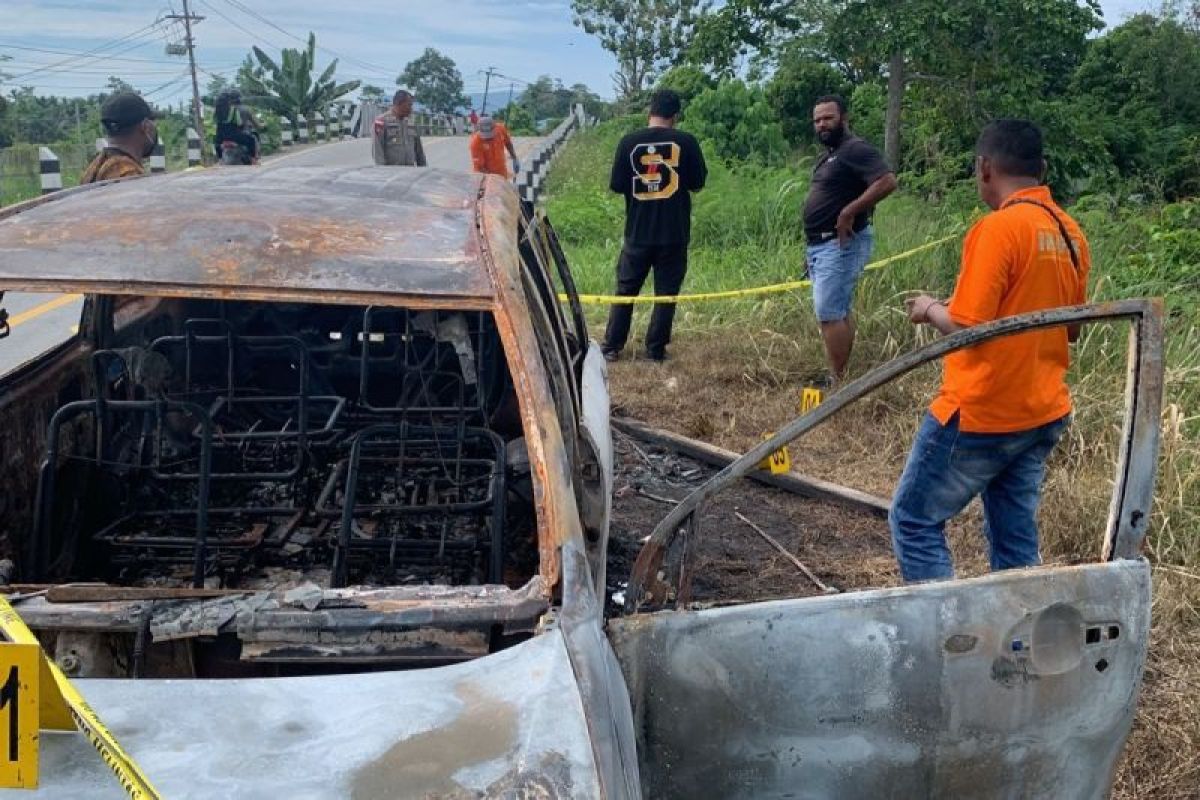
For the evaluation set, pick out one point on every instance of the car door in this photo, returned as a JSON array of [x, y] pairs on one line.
[[584, 378], [1014, 685]]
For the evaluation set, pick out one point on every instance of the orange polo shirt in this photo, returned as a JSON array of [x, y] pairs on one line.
[[491, 155], [1014, 261]]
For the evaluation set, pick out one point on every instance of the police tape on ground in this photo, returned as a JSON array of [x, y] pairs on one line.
[[132, 779], [610, 299]]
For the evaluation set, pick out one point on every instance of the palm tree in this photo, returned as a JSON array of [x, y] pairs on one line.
[[287, 87]]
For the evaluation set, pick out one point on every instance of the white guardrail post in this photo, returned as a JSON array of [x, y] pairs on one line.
[[51, 170], [158, 158], [193, 148], [530, 181]]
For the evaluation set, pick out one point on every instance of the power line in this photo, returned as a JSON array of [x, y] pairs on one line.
[[255, 36], [188, 18], [89, 55], [78, 53], [361, 64]]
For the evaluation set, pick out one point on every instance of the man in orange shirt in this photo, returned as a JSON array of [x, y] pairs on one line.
[[1003, 404], [488, 144]]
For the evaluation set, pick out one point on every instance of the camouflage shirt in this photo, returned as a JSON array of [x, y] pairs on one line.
[[396, 143], [110, 163]]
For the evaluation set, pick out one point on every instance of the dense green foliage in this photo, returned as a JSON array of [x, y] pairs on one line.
[[287, 86], [643, 35], [435, 81], [1120, 110]]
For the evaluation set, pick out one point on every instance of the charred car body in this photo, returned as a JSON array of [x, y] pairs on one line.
[[316, 504]]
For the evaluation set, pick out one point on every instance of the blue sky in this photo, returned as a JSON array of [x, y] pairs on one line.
[[521, 39]]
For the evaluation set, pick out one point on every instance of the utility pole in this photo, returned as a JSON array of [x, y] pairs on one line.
[[486, 85], [188, 18], [510, 92]]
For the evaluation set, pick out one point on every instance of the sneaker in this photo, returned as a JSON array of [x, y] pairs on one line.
[[658, 357], [611, 355]]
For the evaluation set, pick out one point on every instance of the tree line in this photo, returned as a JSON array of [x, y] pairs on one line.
[[1119, 104]]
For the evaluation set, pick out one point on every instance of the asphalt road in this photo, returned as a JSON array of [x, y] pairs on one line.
[[446, 152], [42, 321]]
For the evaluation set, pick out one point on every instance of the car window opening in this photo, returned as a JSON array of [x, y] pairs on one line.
[[269, 447]]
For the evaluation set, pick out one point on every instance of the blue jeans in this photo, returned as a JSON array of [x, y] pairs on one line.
[[945, 470], [835, 271]]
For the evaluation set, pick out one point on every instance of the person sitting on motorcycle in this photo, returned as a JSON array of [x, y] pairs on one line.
[[235, 123]]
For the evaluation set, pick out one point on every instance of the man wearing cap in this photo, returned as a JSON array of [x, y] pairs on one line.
[[129, 125], [395, 141], [488, 144]]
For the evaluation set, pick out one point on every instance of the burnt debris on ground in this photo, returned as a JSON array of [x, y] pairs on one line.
[[846, 549]]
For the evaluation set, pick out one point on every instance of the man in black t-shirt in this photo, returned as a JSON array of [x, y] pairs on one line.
[[849, 179], [656, 169]]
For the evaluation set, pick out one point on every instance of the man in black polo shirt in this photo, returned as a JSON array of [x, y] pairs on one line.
[[656, 169], [849, 179]]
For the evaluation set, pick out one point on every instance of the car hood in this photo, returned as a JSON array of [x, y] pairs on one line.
[[508, 724]]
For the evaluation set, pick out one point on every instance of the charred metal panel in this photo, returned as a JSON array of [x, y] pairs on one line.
[[558, 517], [332, 231], [508, 725], [1019, 684], [601, 684], [28, 399]]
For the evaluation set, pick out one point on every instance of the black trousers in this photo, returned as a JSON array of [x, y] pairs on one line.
[[669, 263]]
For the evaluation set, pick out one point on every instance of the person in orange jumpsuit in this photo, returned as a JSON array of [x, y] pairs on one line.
[[488, 144]]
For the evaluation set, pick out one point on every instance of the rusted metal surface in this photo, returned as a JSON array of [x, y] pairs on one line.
[[558, 517], [508, 725], [338, 611], [1018, 684], [1134, 490], [272, 233]]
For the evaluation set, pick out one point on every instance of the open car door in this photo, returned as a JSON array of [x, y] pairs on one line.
[[1015, 685]]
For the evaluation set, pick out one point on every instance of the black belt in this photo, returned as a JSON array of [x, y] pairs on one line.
[[821, 237]]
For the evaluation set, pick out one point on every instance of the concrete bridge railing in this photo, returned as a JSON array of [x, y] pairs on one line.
[[532, 178]]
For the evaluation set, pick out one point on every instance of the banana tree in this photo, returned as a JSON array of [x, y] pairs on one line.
[[287, 86]]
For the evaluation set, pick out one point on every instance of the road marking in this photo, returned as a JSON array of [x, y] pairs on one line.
[[44, 308]]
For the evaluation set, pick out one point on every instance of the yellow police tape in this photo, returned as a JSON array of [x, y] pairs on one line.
[[132, 780], [611, 299]]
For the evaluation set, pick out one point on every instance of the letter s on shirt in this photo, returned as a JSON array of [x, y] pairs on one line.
[[654, 175]]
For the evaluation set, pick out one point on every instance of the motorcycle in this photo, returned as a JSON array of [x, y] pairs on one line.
[[235, 154]]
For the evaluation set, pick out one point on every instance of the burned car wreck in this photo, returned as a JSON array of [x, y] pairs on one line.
[[315, 503]]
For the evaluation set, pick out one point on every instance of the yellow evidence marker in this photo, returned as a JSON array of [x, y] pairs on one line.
[[778, 462], [810, 398], [56, 705], [20, 671]]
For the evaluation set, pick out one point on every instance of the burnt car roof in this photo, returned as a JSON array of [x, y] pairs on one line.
[[255, 233]]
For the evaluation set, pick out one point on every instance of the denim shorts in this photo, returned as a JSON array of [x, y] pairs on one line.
[[835, 270]]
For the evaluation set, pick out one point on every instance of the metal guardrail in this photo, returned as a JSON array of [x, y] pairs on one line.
[[531, 179]]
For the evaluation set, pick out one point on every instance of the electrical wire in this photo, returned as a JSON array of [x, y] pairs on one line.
[[78, 53], [254, 36], [360, 63], [91, 54]]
